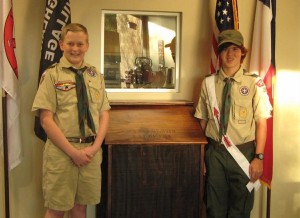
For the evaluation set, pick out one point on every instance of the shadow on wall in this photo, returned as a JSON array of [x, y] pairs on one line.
[[288, 201], [196, 91]]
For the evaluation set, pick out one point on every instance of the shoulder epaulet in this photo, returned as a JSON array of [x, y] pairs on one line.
[[89, 66], [212, 74], [246, 73], [51, 66]]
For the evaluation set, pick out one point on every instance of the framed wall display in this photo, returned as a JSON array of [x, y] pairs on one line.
[[140, 51]]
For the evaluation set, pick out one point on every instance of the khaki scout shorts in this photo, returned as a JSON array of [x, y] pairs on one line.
[[65, 184]]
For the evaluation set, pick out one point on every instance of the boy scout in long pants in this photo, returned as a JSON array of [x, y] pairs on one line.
[[233, 108], [73, 109]]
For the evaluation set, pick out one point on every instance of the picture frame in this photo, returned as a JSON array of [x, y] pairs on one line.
[[140, 50]]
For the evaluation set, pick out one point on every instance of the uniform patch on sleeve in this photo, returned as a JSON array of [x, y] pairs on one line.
[[65, 85], [42, 77], [260, 83]]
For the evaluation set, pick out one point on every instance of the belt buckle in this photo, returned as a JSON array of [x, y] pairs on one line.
[[80, 140]]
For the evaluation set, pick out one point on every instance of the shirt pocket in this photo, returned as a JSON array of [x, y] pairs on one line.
[[66, 93], [242, 112], [95, 92]]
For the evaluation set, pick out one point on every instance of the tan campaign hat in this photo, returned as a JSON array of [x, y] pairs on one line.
[[232, 36]]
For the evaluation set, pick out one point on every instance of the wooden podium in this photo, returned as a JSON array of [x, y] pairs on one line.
[[154, 165]]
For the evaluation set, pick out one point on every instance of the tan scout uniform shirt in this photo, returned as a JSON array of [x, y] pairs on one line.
[[57, 93], [249, 103]]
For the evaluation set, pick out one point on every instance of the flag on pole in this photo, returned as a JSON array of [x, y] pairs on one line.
[[225, 17], [262, 62], [9, 83], [57, 15]]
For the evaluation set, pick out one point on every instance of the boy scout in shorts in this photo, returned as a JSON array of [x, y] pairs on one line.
[[73, 109], [237, 135]]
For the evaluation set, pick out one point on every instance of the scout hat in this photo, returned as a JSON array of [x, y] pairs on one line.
[[231, 36]]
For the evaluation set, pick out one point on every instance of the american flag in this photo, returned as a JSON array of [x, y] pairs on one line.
[[226, 17], [262, 62]]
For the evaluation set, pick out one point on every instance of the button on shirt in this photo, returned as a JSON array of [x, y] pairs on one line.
[[57, 93], [249, 103]]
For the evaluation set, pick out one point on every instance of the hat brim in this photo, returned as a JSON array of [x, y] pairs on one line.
[[238, 43]]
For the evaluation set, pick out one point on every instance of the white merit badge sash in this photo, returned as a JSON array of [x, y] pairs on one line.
[[228, 144]]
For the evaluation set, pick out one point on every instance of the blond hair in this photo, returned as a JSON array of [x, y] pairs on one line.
[[73, 27]]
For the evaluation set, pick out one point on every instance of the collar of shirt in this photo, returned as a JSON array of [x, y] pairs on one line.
[[237, 76], [64, 63]]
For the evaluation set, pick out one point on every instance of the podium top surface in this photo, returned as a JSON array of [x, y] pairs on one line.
[[151, 122]]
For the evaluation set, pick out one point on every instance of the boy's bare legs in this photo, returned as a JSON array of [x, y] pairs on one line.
[[54, 213], [78, 211]]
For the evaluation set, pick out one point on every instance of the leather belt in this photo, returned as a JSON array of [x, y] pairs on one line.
[[216, 143], [88, 139]]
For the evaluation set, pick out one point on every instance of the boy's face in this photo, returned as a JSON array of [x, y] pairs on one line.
[[74, 46], [231, 57]]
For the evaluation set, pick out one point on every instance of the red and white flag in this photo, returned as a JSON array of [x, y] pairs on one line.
[[262, 62], [9, 83]]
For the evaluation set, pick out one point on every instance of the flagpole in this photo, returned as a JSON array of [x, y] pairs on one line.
[[5, 151], [268, 214]]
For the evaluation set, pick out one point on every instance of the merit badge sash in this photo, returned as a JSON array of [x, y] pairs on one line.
[[229, 145]]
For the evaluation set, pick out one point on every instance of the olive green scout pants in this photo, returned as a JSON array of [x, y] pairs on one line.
[[226, 193]]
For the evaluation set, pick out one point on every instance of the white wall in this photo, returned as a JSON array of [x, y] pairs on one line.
[[286, 179], [25, 180]]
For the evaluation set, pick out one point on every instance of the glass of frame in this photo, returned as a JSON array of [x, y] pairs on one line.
[[140, 51]]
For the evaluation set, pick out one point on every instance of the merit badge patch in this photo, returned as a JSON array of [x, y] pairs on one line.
[[91, 72], [65, 85], [244, 90]]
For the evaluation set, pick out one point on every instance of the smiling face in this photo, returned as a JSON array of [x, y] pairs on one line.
[[74, 46], [231, 57]]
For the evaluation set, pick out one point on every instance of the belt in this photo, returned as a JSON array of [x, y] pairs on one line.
[[216, 143], [88, 139]]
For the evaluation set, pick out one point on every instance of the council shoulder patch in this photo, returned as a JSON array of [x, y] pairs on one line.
[[260, 83]]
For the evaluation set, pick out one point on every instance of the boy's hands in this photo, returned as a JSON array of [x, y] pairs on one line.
[[80, 158], [83, 157]]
